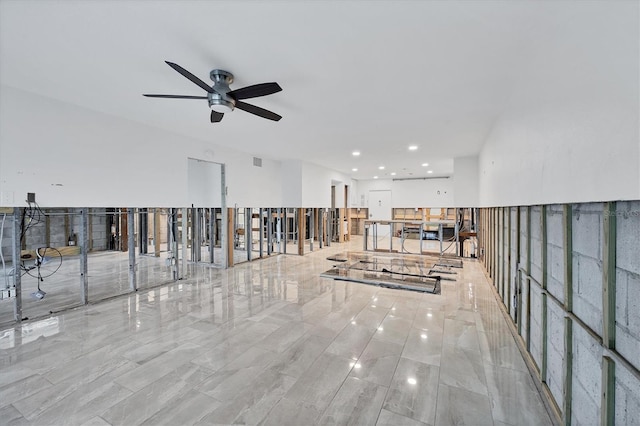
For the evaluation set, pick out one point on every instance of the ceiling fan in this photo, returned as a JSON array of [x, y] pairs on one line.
[[222, 99]]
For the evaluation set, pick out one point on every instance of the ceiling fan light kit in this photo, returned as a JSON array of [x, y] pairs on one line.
[[221, 98]]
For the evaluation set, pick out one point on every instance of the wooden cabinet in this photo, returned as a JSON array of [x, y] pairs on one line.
[[357, 218]]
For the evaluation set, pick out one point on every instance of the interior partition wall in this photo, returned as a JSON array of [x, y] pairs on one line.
[[568, 277]]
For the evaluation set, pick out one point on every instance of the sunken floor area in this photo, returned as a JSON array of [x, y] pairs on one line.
[[271, 342]]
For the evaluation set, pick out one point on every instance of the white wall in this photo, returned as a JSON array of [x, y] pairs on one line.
[[437, 192], [465, 181], [203, 183], [316, 186], [571, 131], [74, 157], [291, 184]]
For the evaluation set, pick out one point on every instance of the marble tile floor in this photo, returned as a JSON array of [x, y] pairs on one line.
[[272, 343]]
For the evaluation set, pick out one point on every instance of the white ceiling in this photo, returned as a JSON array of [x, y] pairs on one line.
[[372, 76]]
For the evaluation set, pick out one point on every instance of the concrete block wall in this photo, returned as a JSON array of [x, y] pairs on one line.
[[583, 361], [505, 255], [57, 233], [98, 234], [555, 351], [628, 281], [587, 263], [522, 280], [627, 397], [536, 243], [36, 235], [535, 342], [536, 294], [555, 251], [587, 378], [513, 213]]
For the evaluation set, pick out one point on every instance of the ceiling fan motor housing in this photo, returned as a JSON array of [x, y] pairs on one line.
[[218, 100]]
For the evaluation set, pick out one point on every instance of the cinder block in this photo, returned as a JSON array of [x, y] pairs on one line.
[[536, 259], [627, 397], [587, 290], [554, 225], [587, 230], [555, 271], [628, 236], [555, 351], [584, 410], [587, 360], [627, 344], [536, 325], [522, 314], [633, 303], [621, 297]]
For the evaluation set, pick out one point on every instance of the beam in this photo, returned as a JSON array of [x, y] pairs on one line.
[[545, 328], [156, 232], [567, 238], [124, 229], [608, 405], [84, 243], [567, 391], [230, 229], [609, 277], [248, 233], [312, 227], [301, 230], [17, 275], [131, 246], [528, 306], [567, 244], [519, 279], [508, 257]]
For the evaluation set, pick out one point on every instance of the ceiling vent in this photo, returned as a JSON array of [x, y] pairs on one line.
[[257, 162]]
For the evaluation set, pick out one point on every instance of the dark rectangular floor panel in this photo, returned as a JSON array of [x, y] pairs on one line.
[[407, 272]]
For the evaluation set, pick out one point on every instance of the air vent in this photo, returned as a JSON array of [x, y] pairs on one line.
[[257, 162]]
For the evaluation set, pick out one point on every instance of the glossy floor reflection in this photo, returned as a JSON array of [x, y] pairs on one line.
[[270, 342]]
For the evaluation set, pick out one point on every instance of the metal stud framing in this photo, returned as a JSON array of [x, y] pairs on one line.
[[17, 276], [131, 243], [508, 260], [84, 249], [567, 239], [567, 390], [609, 277], [527, 313], [518, 287], [608, 313], [543, 237], [607, 411]]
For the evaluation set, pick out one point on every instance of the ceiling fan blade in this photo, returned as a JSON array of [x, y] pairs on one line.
[[255, 91], [261, 112], [175, 96], [190, 76], [216, 116]]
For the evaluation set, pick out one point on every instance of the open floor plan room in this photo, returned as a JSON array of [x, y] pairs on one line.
[[270, 342]]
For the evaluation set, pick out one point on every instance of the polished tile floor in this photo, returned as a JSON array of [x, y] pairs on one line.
[[269, 342]]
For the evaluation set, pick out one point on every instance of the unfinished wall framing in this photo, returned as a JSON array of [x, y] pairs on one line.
[[569, 279]]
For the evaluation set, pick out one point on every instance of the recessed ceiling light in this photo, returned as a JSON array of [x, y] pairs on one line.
[[375, 177], [354, 170], [425, 164], [429, 171], [381, 167], [355, 153], [413, 147], [393, 173], [412, 381]]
